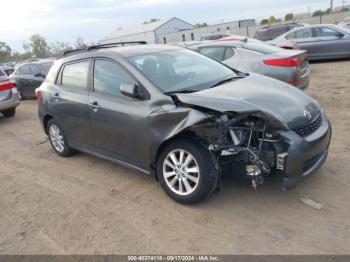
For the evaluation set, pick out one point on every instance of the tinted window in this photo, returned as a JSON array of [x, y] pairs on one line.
[[47, 66], [24, 70], [108, 77], [2, 73], [300, 34], [75, 75], [34, 69], [217, 52], [324, 32]]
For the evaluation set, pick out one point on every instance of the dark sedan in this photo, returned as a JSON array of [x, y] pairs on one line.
[[29, 76]]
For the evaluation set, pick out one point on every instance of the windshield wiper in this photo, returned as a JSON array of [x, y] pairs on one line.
[[228, 79], [186, 91]]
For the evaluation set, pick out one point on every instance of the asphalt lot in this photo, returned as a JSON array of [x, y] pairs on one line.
[[84, 205]]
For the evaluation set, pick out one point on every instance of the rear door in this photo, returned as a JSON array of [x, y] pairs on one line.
[[69, 98], [117, 121], [330, 43], [305, 39]]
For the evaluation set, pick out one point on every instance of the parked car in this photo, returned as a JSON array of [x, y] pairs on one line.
[[271, 32], [214, 37], [9, 98], [8, 70], [179, 115], [251, 55], [345, 23], [320, 41], [29, 76]]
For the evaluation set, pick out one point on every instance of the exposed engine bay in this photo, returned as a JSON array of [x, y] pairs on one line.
[[249, 141]]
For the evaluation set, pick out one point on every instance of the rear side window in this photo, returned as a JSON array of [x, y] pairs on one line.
[[75, 75], [34, 69], [24, 70], [47, 66], [300, 34], [108, 77], [2, 73], [217, 53]]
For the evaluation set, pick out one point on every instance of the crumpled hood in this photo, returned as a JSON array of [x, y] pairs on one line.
[[277, 101]]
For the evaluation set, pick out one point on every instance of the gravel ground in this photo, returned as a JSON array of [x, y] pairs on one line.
[[84, 205]]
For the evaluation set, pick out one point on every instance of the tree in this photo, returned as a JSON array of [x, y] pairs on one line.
[[289, 17], [264, 21], [317, 13], [58, 47], [5, 52], [80, 43], [272, 20], [37, 46], [345, 9], [200, 25], [153, 20]]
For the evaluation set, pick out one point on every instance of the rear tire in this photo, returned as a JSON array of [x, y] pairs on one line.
[[9, 112], [58, 139], [186, 171]]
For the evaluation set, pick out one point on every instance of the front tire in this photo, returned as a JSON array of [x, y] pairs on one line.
[[58, 139], [9, 112], [186, 171]]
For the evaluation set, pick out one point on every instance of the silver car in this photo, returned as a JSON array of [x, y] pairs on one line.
[[254, 56], [9, 98], [320, 41]]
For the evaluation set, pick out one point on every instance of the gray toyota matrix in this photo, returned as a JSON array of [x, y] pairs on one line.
[[182, 117]]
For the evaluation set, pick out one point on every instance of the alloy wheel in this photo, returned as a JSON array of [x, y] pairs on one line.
[[181, 172]]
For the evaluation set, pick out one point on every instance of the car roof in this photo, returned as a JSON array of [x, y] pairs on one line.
[[123, 51], [279, 26]]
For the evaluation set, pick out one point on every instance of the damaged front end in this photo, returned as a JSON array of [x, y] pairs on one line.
[[248, 142]]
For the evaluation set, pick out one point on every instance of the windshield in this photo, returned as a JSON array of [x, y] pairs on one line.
[[181, 70]]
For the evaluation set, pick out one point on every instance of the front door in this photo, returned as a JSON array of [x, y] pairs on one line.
[[118, 122]]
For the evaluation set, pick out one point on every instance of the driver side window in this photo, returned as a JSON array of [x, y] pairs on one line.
[[108, 77]]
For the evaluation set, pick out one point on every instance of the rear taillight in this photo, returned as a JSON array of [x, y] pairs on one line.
[[285, 62], [38, 94], [6, 85]]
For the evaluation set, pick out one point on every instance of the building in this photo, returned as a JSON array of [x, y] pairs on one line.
[[176, 30], [196, 33], [148, 32]]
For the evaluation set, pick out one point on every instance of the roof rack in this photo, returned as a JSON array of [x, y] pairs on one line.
[[109, 45]]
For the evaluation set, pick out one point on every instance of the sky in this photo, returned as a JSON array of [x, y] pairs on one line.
[[93, 20]]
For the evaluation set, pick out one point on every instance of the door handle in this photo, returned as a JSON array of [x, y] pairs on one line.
[[95, 105]]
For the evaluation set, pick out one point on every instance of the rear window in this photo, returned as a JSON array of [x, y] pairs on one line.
[[75, 75], [260, 47]]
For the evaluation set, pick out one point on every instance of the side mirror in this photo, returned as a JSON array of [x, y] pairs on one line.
[[130, 90], [339, 35]]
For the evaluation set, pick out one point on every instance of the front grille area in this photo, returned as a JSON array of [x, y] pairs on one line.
[[310, 128]]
